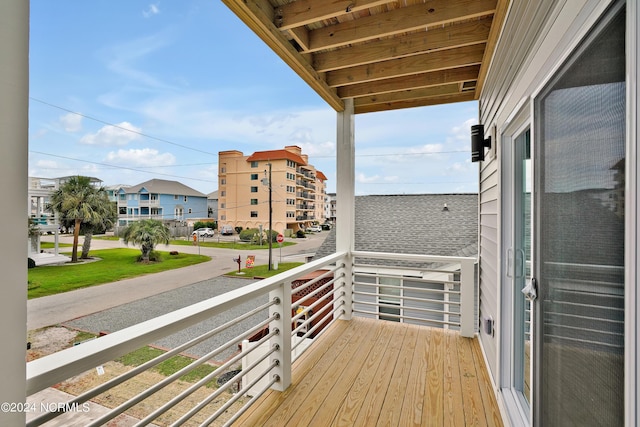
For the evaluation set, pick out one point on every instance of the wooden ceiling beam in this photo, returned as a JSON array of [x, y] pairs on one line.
[[304, 12], [459, 35], [440, 60], [397, 21], [258, 16], [407, 95], [457, 75], [439, 100]]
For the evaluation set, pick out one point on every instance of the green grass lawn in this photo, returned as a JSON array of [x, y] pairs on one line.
[[263, 270], [114, 265], [169, 366], [50, 245], [212, 242]]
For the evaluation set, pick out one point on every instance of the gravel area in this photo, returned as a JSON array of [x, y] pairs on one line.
[[129, 314]]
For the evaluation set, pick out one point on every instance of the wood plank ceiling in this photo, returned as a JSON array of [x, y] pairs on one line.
[[384, 54]]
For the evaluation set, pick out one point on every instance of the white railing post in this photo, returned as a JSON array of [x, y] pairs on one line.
[[467, 298], [345, 296], [283, 339]]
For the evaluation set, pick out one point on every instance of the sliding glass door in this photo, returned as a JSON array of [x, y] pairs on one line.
[[579, 235]]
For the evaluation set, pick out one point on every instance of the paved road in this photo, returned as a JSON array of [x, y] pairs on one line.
[[60, 308]]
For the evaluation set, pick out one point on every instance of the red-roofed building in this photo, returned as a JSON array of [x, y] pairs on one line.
[[298, 190]]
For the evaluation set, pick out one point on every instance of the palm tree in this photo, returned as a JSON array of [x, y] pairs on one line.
[[147, 233], [79, 202], [108, 216]]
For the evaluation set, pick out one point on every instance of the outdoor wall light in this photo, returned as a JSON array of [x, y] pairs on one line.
[[478, 143]]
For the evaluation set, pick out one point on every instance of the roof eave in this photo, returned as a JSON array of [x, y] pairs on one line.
[[258, 16]]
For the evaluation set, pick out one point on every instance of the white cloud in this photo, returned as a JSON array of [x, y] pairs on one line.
[[120, 134], [47, 164], [327, 148], [362, 178], [71, 122], [140, 157], [151, 10]]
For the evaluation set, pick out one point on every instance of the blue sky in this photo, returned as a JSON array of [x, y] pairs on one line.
[[127, 91]]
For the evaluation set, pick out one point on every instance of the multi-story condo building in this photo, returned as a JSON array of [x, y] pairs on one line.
[[247, 183], [160, 199]]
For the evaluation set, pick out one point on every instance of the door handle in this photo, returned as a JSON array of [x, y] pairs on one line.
[[531, 290], [510, 263], [520, 267]]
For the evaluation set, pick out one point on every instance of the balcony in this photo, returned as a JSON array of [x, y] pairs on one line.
[[422, 363]]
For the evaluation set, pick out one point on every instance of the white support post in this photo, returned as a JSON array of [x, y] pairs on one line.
[[467, 298], [14, 126], [283, 339], [345, 200]]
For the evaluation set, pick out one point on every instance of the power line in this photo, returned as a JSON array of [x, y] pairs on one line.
[[121, 128], [121, 167]]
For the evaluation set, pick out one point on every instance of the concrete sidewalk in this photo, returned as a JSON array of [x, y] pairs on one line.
[[56, 309]]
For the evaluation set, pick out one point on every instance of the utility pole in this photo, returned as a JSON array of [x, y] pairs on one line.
[[270, 213]]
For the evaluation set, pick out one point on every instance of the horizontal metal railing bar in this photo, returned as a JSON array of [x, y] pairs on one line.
[[309, 320], [614, 322], [171, 378], [52, 369], [315, 280], [336, 308], [145, 366], [189, 414], [417, 319], [320, 322], [404, 307], [313, 305], [361, 269], [316, 291], [583, 341], [251, 401], [320, 333], [408, 288], [411, 257], [237, 396], [177, 399], [317, 325], [406, 298]]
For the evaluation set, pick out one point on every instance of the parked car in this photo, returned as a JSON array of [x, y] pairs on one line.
[[315, 228], [204, 232], [226, 230], [326, 226]]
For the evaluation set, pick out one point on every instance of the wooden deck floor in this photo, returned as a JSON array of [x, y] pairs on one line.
[[366, 373]]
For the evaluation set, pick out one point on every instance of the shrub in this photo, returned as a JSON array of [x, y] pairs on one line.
[[248, 234], [153, 257], [300, 234], [205, 224], [173, 253], [31, 263]]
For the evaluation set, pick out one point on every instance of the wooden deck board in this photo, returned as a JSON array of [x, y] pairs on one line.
[[453, 398], [365, 372]]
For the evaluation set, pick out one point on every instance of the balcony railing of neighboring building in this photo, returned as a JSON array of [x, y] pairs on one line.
[[149, 202], [438, 292]]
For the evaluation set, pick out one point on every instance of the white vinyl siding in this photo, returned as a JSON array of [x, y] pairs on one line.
[[526, 59]]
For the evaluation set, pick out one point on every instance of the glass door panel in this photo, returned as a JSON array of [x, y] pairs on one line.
[[522, 267], [580, 173]]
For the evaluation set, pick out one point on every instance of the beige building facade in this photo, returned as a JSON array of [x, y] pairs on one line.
[[245, 184]]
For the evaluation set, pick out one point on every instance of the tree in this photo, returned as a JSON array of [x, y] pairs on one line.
[[147, 233], [108, 217], [78, 202]]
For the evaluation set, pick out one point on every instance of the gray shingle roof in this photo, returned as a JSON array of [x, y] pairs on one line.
[[163, 186], [414, 224]]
